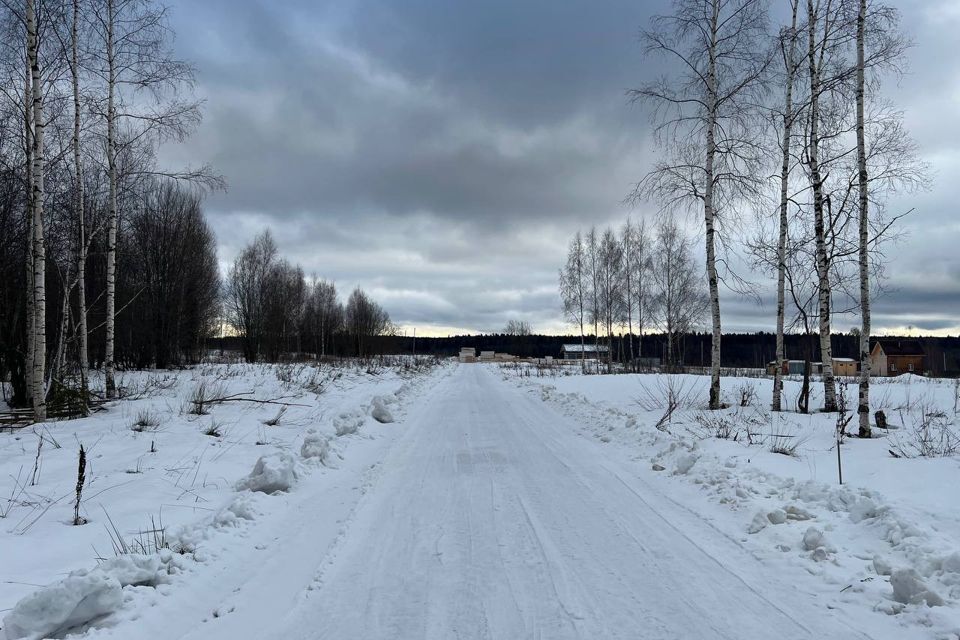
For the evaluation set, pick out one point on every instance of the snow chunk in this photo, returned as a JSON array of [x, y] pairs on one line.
[[758, 523], [379, 411], [136, 569], [951, 564], [78, 599], [777, 516], [908, 588], [813, 538], [881, 566], [863, 509], [315, 446], [798, 513], [347, 423], [240, 508], [685, 463], [272, 473]]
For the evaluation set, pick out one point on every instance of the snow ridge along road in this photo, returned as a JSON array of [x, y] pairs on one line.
[[491, 518]]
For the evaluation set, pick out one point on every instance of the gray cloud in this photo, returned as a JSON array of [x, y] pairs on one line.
[[441, 153]]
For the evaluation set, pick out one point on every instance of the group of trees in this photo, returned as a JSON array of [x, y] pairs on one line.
[[633, 280], [274, 309], [787, 121], [105, 256]]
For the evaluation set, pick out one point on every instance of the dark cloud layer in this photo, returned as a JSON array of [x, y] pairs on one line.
[[441, 153]]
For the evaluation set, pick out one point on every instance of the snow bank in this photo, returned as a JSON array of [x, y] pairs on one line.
[[272, 473], [78, 599], [84, 596]]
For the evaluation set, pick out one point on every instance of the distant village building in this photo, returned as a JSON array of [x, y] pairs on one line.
[[893, 357], [841, 367], [586, 351], [845, 367], [790, 368]]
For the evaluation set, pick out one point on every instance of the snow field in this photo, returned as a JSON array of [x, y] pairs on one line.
[[166, 488], [887, 541]]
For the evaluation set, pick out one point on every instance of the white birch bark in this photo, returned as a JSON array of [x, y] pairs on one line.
[[863, 404], [83, 359], [30, 317], [790, 65], [39, 394], [708, 212], [816, 180], [112, 221]]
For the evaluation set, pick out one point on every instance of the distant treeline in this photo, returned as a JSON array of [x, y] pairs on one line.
[[740, 350]]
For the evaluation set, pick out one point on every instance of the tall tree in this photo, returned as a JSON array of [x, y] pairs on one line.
[[822, 22], [573, 289], [246, 292], [37, 195], [791, 64], [706, 121], [863, 399], [142, 82], [678, 287]]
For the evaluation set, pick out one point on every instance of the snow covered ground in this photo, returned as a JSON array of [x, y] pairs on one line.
[[886, 542], [179, 491], [473, 501]]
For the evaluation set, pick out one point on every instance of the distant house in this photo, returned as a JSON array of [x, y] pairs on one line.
[[586, 351], [893, 357]]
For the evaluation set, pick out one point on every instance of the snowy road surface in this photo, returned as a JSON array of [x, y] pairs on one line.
[[489, 517]]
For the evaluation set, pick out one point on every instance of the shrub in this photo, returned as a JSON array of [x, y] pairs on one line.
[[146, 419]]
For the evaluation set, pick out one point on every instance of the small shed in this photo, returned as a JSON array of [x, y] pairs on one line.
[[585, 351], [893, 357], [844, 367]]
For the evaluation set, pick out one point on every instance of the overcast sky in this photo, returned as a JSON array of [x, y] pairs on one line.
[[441, 153]]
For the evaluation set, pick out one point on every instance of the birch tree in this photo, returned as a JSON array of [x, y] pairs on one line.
[[573, 289], [706, 122], [37, 194], [679, 290], [863, 395], [637, 266], [791, 64], [142, 82], [824, 23]]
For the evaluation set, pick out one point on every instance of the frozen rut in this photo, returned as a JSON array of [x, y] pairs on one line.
[[491, 518]]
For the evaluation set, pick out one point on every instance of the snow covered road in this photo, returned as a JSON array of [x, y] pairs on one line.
[[492, 519]]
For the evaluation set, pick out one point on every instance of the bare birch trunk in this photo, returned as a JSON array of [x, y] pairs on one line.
[[83, 358], [112, 221], [39, 245], [791, 67], [30, 317], [823, 269], [863, 404], [708, 213]]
